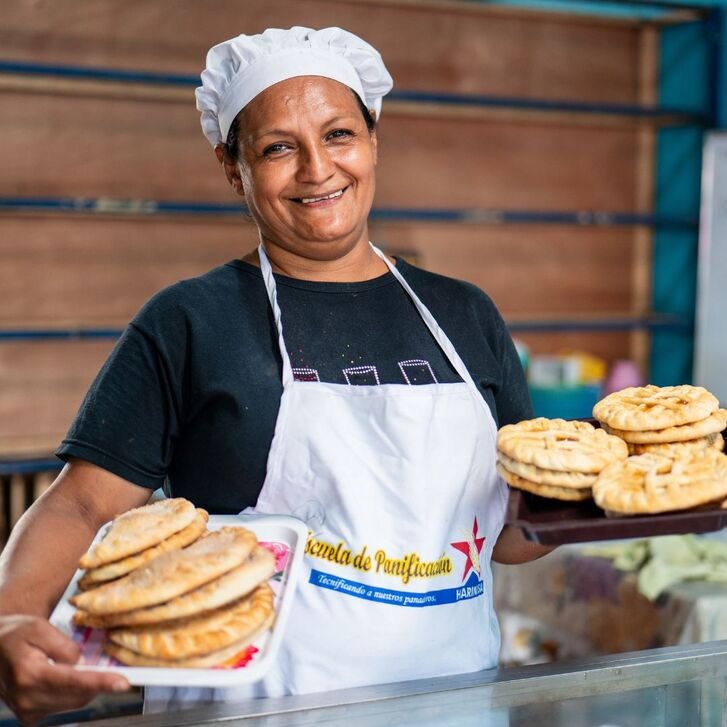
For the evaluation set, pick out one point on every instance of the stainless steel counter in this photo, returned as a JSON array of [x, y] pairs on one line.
[[681, 686]]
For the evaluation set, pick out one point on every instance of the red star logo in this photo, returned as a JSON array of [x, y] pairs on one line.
[[466, 547]]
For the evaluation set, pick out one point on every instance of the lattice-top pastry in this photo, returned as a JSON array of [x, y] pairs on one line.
[[651, 483], [557, 444], [640, 408]]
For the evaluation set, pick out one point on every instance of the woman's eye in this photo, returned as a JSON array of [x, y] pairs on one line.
[[339, 134], [274, 149]]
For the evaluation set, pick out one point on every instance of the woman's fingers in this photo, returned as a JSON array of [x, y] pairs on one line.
[[52, 642], [59, 679], [32, 685], [49, 688]]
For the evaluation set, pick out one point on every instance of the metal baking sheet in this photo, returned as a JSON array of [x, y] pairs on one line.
[[557, 522], [284, 536]]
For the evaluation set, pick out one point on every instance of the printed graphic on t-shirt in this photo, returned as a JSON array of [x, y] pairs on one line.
[[413, 372]]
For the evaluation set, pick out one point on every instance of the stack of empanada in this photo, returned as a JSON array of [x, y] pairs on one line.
[[664, 420], [196, 606], [555, 458]]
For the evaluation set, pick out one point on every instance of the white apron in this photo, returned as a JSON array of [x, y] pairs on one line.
[[398, 487]]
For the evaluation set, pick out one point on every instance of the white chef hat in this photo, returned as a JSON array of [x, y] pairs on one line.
[[241, 68]]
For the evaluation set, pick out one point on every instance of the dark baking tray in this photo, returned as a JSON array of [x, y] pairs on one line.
[[556, 522]]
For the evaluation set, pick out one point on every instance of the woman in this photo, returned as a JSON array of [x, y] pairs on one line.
[[315, 376]]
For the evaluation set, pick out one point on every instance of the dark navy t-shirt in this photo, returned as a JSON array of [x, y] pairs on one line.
[[189, 396]]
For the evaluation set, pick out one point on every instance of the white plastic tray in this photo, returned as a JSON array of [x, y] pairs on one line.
[[285, 536]]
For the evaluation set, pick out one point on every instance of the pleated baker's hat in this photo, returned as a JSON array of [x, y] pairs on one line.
[[243, 67]]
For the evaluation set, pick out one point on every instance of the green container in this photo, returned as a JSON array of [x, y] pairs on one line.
[[564, 402]]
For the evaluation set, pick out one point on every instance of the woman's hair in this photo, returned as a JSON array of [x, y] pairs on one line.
[[233, 141]]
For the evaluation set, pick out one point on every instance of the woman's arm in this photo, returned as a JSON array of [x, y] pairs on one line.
[[512, 548], [35, 567]]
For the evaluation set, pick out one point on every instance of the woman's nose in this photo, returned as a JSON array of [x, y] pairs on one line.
[[315, 164]]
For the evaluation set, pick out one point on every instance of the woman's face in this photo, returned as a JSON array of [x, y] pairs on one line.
[[307, 167]]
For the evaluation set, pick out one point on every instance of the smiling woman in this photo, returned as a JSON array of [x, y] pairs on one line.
[[314, 377], [305, 165]]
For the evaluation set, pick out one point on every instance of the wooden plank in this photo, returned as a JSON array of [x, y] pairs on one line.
[[92, 272], [677, 15], [645, 159], [95, 273], [527, 271], [156, 151], [500, 53], [42, 385]]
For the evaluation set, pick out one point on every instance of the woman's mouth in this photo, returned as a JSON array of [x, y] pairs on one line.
[[321, 200]]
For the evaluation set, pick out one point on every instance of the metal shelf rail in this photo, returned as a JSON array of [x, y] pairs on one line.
[[150, 208], [27, 77]]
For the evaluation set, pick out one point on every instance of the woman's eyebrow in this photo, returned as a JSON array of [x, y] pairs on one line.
[[287, 132], [270, 132]]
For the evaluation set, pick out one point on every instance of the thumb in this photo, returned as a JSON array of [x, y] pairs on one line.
[[54, 644]]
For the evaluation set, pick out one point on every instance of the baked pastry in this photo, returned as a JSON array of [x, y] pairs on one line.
[[557, 444], [642, 408], [201, 634], [651, 483], [556, 478], [258, 568], [712, 424], [675, 449], [215, 658], [171, 574], [551, 491], [96, 576], [139, 529]]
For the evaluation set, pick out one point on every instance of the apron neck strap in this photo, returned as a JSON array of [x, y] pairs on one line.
[[269, 279]]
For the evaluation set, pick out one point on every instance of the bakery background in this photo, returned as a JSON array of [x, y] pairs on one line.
[[549, 151]]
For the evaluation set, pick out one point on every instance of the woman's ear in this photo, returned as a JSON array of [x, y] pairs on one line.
[[231, 170]]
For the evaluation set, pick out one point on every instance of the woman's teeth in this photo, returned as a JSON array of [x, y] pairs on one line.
[[310, 200]]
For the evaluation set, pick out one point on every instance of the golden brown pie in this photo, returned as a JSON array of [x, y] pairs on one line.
[[551, 491], [642, 408], [257, 569], [651, 483], [546, 477], [139, 529], [215, 658], [201, 634], [557, 444], [712, 424], [171, 574], [183, 538]]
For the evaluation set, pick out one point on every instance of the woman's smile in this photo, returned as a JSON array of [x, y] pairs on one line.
[[327, 199]]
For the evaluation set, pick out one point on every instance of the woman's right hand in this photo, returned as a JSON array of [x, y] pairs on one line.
[[31, 684]]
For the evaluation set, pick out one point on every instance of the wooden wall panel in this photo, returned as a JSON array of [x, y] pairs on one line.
[[91, 272], [530, 272], [94, 271], [425, 48], [89, 148], [439, 163], [42, 383]]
